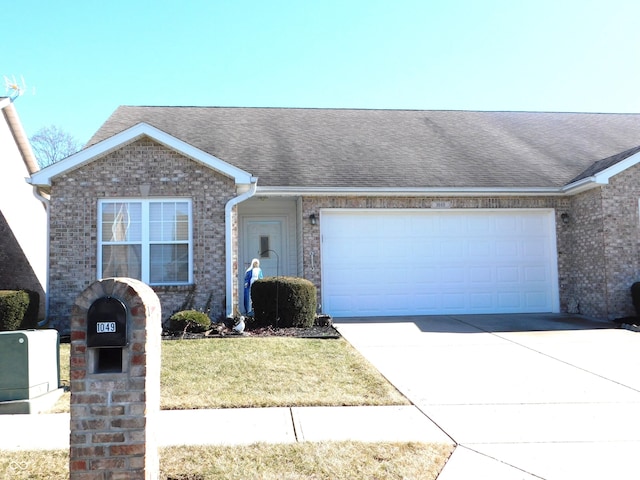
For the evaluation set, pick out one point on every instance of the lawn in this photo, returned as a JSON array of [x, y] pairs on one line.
[[262, 372], [317, 461]]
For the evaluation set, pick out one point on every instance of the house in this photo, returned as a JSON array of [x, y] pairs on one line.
[[23, 218], [387, 212]]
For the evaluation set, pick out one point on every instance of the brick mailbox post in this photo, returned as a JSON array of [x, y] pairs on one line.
[[115, 382]]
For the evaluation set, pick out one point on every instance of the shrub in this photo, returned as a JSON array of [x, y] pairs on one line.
[[189, 321], [30, 319], [13, 306], [284, 302]]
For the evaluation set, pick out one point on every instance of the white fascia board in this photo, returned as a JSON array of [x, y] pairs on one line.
[[603, 177], [580, 186], [407, 192], [140, 130]]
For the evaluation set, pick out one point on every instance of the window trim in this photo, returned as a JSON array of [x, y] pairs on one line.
[[145, 241]]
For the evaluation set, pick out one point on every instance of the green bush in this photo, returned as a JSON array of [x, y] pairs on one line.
[[13, 306], [284, 302], [189, 321], [30, 319]]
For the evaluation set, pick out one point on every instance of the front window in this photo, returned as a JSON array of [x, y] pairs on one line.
[[149, 240]]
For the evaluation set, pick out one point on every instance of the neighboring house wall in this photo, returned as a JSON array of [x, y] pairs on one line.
[[586, 279], [621, 239], [313, 205], [23, 223], [604, 246], [121, 174]]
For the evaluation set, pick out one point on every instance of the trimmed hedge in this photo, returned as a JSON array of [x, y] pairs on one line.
[[284, 302], [13, 306], [189, 321], [30, 320]]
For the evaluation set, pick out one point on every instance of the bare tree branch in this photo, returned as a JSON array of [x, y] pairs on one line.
[[51, 144]]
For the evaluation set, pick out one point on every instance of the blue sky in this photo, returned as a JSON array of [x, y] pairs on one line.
[[84, 58]]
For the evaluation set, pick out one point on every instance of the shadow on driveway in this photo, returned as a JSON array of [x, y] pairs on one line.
[[529, 322]]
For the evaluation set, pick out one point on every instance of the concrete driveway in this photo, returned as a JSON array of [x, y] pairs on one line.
[[523, 396]]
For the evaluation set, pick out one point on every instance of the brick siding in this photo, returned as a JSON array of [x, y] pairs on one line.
[[120, 174]]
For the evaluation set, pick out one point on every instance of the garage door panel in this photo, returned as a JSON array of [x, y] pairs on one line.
[[481, 248], [455, 275], [508, 301], [481, 301], [481, 275], [426, 262], [535, 274], [507, 248], [535, 299], [507, 274], [507, 223]]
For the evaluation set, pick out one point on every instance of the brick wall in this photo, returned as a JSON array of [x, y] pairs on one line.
[[120, 174], [604, 242], [621, 234], [587, 263]]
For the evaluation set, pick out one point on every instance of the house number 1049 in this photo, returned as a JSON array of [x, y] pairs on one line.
[[106, 327]]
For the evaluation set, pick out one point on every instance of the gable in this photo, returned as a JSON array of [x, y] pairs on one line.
[[601, 172], [44, 177]]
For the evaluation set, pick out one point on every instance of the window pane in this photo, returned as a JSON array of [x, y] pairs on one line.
[[169, 263], [121, 222], [168, 212], [265, 251], [121, 261], [169, 221]]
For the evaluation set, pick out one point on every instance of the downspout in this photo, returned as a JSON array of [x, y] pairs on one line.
[[228, 209], [45, 202]]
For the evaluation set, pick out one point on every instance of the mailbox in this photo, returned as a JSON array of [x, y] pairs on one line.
[[107, 323]]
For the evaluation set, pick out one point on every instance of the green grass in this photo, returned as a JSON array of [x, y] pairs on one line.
[[318, 461]]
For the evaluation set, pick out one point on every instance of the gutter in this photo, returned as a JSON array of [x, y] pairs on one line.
[[228, 247], [412, 191], [45, 202]]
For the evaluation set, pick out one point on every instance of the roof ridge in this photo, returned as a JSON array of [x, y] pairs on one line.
[[368, 109]]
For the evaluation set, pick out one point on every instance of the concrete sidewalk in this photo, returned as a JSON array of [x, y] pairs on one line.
[[523, 396], [244, 426]]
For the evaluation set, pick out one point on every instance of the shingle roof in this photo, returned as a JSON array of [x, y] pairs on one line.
[[394, 148]]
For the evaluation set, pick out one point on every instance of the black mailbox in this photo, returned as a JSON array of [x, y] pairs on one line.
[[107, 323]]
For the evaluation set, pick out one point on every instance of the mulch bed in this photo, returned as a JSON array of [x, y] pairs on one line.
[[221, 330]]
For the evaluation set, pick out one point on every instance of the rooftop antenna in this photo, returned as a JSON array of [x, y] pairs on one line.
[[14, 88]]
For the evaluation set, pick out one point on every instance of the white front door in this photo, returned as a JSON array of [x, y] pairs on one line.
[[263, 240]]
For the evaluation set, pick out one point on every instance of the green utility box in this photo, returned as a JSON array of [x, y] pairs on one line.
[[29, 370]]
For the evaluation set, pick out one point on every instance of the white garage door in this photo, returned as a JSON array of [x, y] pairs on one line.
[[428, 262]]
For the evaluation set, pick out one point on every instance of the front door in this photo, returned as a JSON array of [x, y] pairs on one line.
[[263, 240]]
